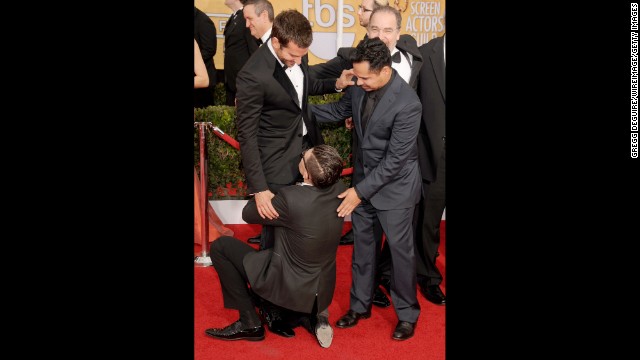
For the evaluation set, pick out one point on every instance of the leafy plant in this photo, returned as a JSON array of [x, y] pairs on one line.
[[226, 179]]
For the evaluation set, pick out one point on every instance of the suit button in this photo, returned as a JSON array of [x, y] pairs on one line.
[[366, 167], [299, 135]]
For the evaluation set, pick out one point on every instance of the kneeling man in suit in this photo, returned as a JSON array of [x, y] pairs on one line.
[[299, 272]]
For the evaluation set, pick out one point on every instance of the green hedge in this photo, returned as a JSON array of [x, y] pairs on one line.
[[226, 179]]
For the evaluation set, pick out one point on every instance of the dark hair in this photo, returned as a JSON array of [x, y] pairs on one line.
[[324, 165], [388, 9], [375, 52], [290, 25], [261, 5]]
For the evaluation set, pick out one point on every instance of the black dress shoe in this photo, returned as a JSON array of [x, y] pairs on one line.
[[254, 239], [275, 324], [347, 239], [433, 294], [403, 331], [281, 328], [237, 331], [351, 318], [380, 299]]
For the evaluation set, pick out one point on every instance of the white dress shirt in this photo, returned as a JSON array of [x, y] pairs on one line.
[[404, 66], [297, 79]]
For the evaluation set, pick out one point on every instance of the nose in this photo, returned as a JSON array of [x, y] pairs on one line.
[[359, 82]]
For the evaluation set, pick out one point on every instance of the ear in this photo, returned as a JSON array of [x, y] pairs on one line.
[[275, 42], [386, 70]]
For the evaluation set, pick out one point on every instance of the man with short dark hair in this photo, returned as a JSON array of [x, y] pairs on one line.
[[299, 273], [273, 122], [384, 22], [386, 118]]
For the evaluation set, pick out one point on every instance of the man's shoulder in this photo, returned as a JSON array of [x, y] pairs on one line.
[[201, 16], [345, 52], [296, 190], [428, 47], [293, 189], [406, 92], [409, 44], [257, 63]]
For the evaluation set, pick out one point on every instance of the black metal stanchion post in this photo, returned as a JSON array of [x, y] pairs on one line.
[[203, 259]]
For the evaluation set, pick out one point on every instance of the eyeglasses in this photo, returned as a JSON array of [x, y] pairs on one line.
[[386, 31], [364, 10]]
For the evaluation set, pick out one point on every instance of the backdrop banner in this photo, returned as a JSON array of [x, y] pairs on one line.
[[424, 20]]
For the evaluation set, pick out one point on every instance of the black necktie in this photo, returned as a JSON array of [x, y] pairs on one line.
[[396, 57], [368, 110], [259, 42]]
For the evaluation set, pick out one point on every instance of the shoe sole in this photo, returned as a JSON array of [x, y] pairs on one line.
[[324, 334], [399, 339], [241, 338]]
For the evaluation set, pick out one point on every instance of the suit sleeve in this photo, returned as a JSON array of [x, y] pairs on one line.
[[250, 97], [208, 40], [321, 86], [332, 69], [403, 138], [251, 216], [333, 112]]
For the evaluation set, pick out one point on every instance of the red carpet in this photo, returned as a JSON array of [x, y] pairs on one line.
[[370, 339]]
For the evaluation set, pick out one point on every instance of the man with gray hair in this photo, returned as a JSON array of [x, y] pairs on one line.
[[259, 19]]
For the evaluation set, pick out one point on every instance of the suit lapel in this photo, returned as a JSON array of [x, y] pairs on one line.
[[386, 102], [437, 59], [283, 80], [231, 23], [407, 44], [357, 115], [305, 82]]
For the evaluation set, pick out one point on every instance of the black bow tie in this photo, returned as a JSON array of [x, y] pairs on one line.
[[396, 57]]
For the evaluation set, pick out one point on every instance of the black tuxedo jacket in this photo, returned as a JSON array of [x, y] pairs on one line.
[[431, 90], [205, 35], [333, 68], [269, 120], [239, 44], [302, 262], [386, 169]]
